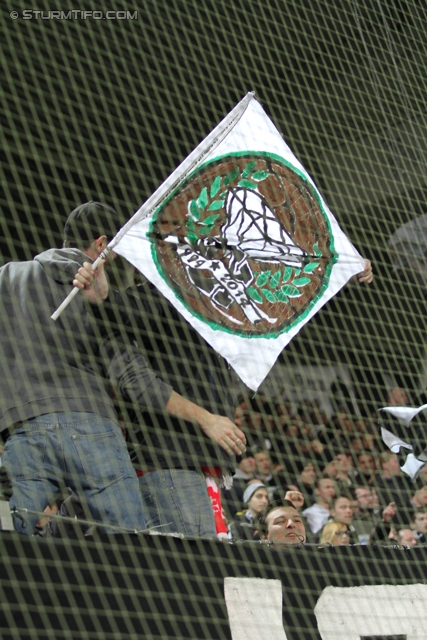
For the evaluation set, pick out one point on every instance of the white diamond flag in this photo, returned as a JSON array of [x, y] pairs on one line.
[[241, 242]]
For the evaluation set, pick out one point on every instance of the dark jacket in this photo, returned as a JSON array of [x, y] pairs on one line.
[[182, 359]]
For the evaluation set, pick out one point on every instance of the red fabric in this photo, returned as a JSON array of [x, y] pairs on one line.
[[215, 496]]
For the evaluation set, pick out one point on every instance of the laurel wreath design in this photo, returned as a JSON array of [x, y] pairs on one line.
[[200, 217], [283, 284]]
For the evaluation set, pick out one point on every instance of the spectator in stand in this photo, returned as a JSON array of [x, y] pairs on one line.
[[232, 499], [291, 439], [366, 467], [263, 466], [275, 440], [281, 523], [342, 511], [347, 474], [419, 498], [419, 525], [305, 481], [256, 500], [397, 397], [266, 474], [309, 444], [330, 470], [56, 380], [385, 531], [342, 471], [391, 485], [407, 538], [339, 432], [372, 443], [367, 512], [318, 514], [256, 426], [336, 534], [422, 474], [384, 534]]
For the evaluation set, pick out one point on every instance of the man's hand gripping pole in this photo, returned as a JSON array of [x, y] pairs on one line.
[[75, 290]]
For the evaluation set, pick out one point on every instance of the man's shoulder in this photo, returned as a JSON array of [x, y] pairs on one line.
[[315, 508]]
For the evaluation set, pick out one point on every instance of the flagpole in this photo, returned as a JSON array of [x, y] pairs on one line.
[[186, 167]]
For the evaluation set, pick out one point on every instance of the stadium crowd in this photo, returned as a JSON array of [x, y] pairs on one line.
[[352, 487], [120, 414]]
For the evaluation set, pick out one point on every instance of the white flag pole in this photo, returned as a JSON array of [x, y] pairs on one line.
[[195, 158]]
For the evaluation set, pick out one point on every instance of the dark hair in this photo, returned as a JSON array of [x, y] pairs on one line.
[[319, 479], [88, 222], [275, 504], [416, 511], [340, 495]]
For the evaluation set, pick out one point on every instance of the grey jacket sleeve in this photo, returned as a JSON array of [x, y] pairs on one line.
[[130, 375]]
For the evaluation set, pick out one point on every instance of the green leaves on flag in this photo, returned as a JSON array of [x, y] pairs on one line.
[[248, 169], [260, 175], [280, 285], [230, 177], [263, 279], [215, 187], [309, 268], [247, 184], [195, 210]]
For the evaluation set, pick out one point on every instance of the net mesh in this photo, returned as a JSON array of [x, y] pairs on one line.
[[102, 104]]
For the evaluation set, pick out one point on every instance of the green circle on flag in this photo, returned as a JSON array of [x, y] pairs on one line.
[[245, 244]]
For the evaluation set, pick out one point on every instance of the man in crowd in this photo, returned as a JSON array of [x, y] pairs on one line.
[[232, 498], [57, 377], [419, 498], [318, 514], [407, 538], [281, 523], [367, 514], [391, 485], [419, 525], [366, 467], [305, 481], [273, 480]]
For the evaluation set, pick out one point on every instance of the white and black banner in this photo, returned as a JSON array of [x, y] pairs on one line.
[[160, 587]]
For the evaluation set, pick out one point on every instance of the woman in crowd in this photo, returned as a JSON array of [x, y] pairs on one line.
[[336, 533]]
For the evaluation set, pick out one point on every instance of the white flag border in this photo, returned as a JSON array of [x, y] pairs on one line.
[[187, 166]]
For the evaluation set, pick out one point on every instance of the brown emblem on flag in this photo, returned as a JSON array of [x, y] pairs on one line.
[[244, 244]]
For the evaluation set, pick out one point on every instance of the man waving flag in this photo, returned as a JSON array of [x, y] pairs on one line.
[[240, 241]]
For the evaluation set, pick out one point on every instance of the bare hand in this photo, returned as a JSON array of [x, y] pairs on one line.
[[366, 275], [93, 283], [296, 498], [225, 433], [389, 512]]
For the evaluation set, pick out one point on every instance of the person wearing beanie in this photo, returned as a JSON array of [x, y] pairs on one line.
[[255, 499]]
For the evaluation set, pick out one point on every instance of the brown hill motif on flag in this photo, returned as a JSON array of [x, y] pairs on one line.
[[250, 236]]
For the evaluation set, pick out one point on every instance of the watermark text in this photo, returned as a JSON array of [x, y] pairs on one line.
[[73, 14]]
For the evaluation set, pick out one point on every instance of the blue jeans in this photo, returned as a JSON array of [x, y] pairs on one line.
[[177, 501], [83, 451]]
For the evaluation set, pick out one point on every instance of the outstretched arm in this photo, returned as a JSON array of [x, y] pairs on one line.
[[219, 428], [130, 369]]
